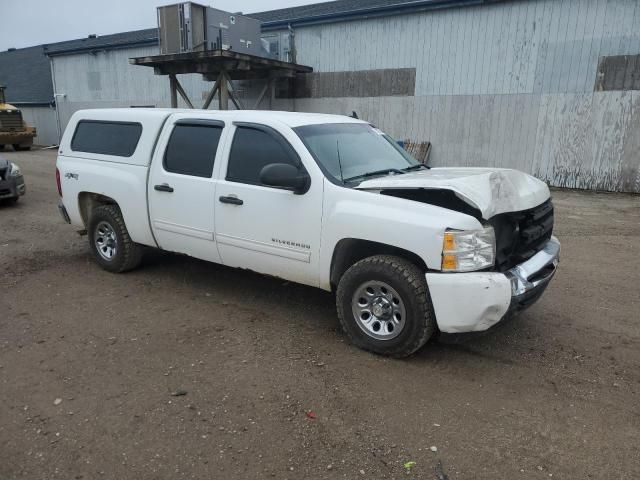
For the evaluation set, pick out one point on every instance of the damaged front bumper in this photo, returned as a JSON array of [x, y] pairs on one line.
[[12, 187], [473, 302]]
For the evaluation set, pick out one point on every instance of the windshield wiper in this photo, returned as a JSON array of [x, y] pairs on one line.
[[385, 171], [419, 166]]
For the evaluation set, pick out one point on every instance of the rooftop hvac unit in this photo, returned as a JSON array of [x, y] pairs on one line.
[[278, 46], [181, 28], [232, 31], [190, 27]]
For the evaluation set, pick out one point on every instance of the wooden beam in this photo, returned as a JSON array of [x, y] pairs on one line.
[[262, 94], [212, 94], [223, 97], [272, 94], [182, 93], [232, 94], [172, 87]]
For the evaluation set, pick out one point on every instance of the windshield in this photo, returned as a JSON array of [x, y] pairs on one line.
[[350, 151]]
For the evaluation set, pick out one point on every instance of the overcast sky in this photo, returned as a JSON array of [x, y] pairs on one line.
[[25, 23]]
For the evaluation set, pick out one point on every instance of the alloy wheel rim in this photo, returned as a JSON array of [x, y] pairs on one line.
[[378, 310], [106, 241]]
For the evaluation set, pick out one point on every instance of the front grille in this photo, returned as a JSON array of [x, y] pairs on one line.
[[520, 235], [10, 121]]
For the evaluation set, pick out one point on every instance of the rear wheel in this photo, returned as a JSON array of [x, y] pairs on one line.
[[110, 242], [1, 146], [384, 306]]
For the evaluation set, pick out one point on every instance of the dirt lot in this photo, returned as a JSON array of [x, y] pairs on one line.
[[553, 393]]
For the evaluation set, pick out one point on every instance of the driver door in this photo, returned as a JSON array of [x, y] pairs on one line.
[[266, 229]]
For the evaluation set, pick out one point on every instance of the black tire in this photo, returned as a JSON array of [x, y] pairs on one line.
[[411, 285], [128, 254], [1, 146], [20, 148]]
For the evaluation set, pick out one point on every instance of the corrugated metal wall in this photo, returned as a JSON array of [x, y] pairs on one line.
[[509, 84], [107, 79], [44, 119]]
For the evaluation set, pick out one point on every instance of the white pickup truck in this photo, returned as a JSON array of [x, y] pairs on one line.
[[323, 200]]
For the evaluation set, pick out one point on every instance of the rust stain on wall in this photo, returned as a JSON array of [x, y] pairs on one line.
[[361, 83]]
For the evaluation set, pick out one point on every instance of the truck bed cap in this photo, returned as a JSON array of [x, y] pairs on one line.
[[292, 119]]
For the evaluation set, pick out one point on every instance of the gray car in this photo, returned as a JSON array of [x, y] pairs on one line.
[[12, 185]]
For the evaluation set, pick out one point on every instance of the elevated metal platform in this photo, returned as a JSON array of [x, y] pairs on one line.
[[220, 66]]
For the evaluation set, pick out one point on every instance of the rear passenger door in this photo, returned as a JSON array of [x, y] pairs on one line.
[[181, 189]]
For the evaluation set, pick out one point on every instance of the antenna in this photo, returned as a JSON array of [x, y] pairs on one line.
[[339, 160]]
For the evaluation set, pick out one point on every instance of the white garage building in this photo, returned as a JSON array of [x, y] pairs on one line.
[[550, 87]]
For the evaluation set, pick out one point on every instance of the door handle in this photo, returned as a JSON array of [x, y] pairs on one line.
[[163, 188], [231, 200]]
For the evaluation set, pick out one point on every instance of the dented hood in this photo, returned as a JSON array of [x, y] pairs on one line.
[[490, 190]]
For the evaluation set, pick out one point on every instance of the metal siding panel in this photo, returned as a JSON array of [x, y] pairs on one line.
[[521, 45], [559, 48], [630, 162], [586, 69], [548, 67], [422, 64], [544, 131], [439, 64], [488, 49], [510, 50], [458, 52], [612, 116], [474, 63], [543, 57], [572, 47], [497, 64], [536, 19], [44, 119]]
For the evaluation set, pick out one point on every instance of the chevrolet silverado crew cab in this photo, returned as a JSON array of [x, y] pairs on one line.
[[322, 200]]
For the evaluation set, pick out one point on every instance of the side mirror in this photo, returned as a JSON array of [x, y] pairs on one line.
[[286, 176]]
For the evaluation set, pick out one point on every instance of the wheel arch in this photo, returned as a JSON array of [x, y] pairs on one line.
[[349, 251], [87, 201]]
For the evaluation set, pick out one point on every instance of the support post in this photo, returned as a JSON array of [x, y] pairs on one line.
[[212, 94], [174, 91], [234, 98], [224, 92], [183, 94], [262, 94], [272, 95]]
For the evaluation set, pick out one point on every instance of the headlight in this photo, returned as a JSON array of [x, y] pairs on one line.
[[15, 170], [468, 250]]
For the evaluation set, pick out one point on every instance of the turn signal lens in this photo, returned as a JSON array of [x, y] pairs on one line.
[[449, 262], [449, 242]]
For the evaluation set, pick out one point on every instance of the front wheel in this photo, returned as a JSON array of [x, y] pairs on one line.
[[109, 240], [384, 306]]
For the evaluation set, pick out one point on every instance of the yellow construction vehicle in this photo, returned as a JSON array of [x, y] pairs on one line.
[[13, 130]]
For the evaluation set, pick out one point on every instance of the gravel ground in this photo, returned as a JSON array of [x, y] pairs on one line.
[[91, 362]]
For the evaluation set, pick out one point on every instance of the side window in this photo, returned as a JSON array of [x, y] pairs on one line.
[[192, 149], [252, 150], [119, 139]]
